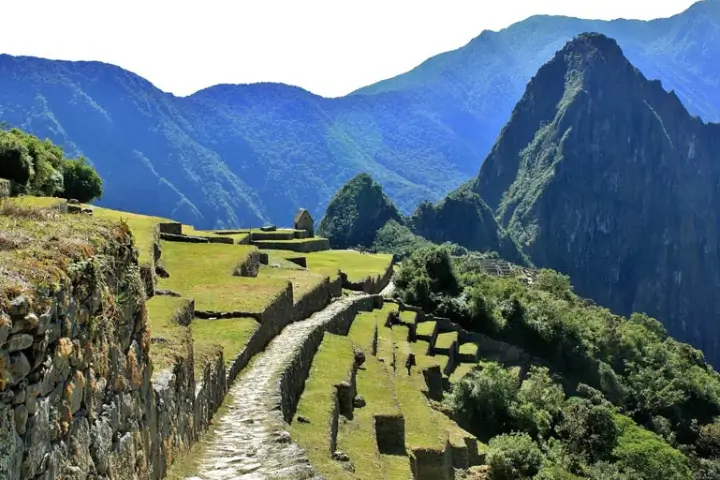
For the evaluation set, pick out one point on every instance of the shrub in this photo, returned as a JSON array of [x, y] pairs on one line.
[[81, 181], [514, 456]]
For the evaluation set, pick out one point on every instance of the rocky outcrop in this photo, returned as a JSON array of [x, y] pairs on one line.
[[250, 266]]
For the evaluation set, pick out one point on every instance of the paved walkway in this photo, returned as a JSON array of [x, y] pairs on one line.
[[251, 442]]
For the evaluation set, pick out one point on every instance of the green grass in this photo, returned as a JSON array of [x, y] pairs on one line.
[[426, 329], [445, 340], [170, 340], [461, 370], [408, 317], [37, 202], [229, 334], [362, 330], [468, 349], [143, 228], [332, 364], [303, 281], [205, 272], [294, 240], [357, 266]]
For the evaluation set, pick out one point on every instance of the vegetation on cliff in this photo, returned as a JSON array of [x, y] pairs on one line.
[[37, 167], [356, 212], [603, 393]]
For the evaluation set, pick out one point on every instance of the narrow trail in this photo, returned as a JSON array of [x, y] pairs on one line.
[[250, 441]]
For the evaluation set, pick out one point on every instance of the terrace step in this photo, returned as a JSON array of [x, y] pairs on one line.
[[251, 441]]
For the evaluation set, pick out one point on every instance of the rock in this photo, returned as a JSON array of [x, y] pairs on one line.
[[44, 321], [5, 327], [340, 456], [359, 402], [169, 293], [19, 368], [26, 323], [11, 446], [359, 358], [19, 341], [100, 444], [21, 417], [302, 419], [19, 306], [20, 396], [161, 272], [37, 439]]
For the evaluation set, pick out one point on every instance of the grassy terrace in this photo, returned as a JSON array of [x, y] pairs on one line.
[[407, 317], [303, 281], [37, 245], [37, 202], [445, 340], [170, 340], [357, 266], [205, 273], [426, 329], [332, 364], [469, 349], [229, 334], [143, 229], [460, 371]]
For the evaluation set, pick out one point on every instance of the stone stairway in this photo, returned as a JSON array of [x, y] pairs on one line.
[[250, 441]]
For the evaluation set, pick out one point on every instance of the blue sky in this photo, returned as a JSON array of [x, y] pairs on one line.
[[329, 47]]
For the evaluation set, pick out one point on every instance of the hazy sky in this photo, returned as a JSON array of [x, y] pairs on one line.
[[329, 47]]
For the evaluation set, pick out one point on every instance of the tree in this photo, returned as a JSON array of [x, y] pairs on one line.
[[81, 181], [514, 456]]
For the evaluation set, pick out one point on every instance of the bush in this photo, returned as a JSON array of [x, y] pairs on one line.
[[81, 181], [514, 456]]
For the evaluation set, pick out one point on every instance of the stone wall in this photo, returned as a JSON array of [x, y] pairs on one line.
[[434, 381], [210, 391], [313, 301], [147, 269], [74, 375], [174, 228], [5, 188], [336, 286], [432, 464], [390, 433], [316, 245], [292, 380]]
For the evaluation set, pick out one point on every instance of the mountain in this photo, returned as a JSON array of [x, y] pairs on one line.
[[465, 219], [603, 175], [356, 212], [232, 155]]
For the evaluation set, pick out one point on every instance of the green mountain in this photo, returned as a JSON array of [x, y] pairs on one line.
[[231, 155], [356, 212], [603, 175]]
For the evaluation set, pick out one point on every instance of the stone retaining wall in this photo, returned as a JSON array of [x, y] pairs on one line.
[[173, 228], [316, 245], [292, 380], [75, 382], [390, 433], [210, 392], [432, 464], [147, 269], [336, 286], [313, 301]]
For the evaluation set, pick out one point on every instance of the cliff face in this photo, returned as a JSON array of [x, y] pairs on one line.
[[603, 175]]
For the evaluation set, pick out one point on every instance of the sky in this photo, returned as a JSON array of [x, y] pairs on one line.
[[330, 47]]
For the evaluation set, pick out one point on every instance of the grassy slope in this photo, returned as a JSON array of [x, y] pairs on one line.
[[205, 272]]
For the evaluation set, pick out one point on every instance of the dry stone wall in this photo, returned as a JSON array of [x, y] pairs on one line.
[[5, 188], [75, 378]]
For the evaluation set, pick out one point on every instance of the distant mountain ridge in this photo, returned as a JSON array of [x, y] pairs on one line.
[[603, 175], [234, 155]]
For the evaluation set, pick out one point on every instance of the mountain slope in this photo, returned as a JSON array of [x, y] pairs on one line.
[[603, 175], [231, 155], [356, 212]]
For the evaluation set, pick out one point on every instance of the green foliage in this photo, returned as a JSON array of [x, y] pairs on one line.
[[514, 456], [81, 181], [38, 167], [394, 237], [356, 212]]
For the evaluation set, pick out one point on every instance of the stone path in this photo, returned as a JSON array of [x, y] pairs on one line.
[[251, 442], [389, 290]]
